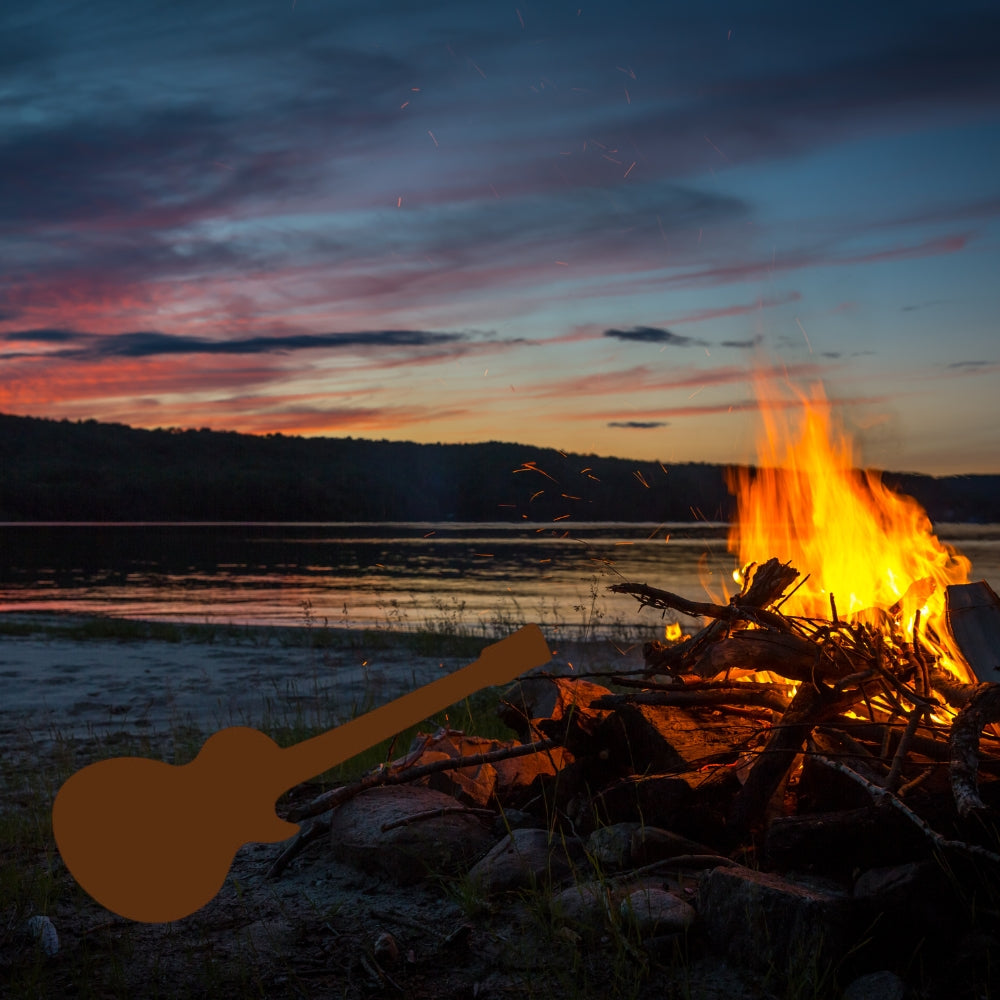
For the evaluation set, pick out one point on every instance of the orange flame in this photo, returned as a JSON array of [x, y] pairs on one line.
[[874, 550]]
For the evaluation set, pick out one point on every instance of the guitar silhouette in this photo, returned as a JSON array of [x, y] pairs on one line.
[[154, 842]]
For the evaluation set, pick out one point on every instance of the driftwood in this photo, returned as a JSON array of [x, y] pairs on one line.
[[733, 694], [408, 770], [983, 709], [883, 797], [805, 711], [404, 771], [763, 587]]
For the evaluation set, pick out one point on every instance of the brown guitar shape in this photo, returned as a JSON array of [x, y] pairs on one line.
[[154, 842]]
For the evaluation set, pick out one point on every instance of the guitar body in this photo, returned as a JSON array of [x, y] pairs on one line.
[[153, 841]]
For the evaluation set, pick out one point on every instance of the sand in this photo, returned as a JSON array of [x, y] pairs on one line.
[[77, 688]]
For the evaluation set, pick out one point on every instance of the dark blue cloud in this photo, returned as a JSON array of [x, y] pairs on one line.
[[653, 335], [151, 343], [748, 344], [638, 425]]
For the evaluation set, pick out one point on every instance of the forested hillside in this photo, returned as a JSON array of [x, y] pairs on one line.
[[85, 471]]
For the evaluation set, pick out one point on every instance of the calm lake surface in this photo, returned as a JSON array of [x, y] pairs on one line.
[[378, 574]]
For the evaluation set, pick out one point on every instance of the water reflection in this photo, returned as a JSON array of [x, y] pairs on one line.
[[363, 574]]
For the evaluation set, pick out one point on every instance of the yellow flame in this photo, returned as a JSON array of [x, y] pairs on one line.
[[672, 632], [871, 548]]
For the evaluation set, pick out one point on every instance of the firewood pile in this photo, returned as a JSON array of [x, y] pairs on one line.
[[764, 750]]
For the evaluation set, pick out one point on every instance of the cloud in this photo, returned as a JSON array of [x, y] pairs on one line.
[[653, 335], [743, 344], [638, 424], [737, 406], [971, 365], [146, 344], [643, 378], [42, 336]]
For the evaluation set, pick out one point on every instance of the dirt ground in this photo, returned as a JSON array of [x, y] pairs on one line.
[[314, 932]]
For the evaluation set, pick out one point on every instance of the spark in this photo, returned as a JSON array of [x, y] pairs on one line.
[[628, 99], [663, 467], [533, 467], [433, 138], [695, 393], [624, 543], [477, 69], [562, 263], [429, 533], [716, 148], [569, 496], [642, 479], [627, 172], [533, 495], [483, 555], [399, 202], [486, 372], [562, 517], [521, 19], [627, 70], [404, 105], [804, 334]]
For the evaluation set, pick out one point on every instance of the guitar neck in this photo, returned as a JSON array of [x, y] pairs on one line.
[[498, 664]]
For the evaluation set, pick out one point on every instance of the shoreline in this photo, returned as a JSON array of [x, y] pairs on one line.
[[71, 676]]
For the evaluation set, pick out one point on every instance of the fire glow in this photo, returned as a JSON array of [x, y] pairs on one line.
[[866, 553]]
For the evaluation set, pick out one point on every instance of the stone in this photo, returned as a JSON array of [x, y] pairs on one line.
[[907, 903], [42, 932], [654, 739], [426, 843], [517, 777], [839, 842], [767, 922], [526, 858], [611, 846], [510, 782], [652, 843], [473, 785], [548, 698], [656, 911], [658, 799], [884, 985], [514, 819], [584, 905]]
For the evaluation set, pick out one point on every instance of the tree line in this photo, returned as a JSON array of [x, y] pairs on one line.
[[89, 471]]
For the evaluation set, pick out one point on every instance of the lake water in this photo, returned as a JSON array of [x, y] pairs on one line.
[[377, 574]]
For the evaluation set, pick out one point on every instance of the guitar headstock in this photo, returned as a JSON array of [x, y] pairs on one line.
[[516, 654]]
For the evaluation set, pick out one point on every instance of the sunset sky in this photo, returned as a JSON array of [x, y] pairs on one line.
[[572, 226]]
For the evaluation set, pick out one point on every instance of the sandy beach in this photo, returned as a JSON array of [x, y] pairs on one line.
[[84, 687]]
